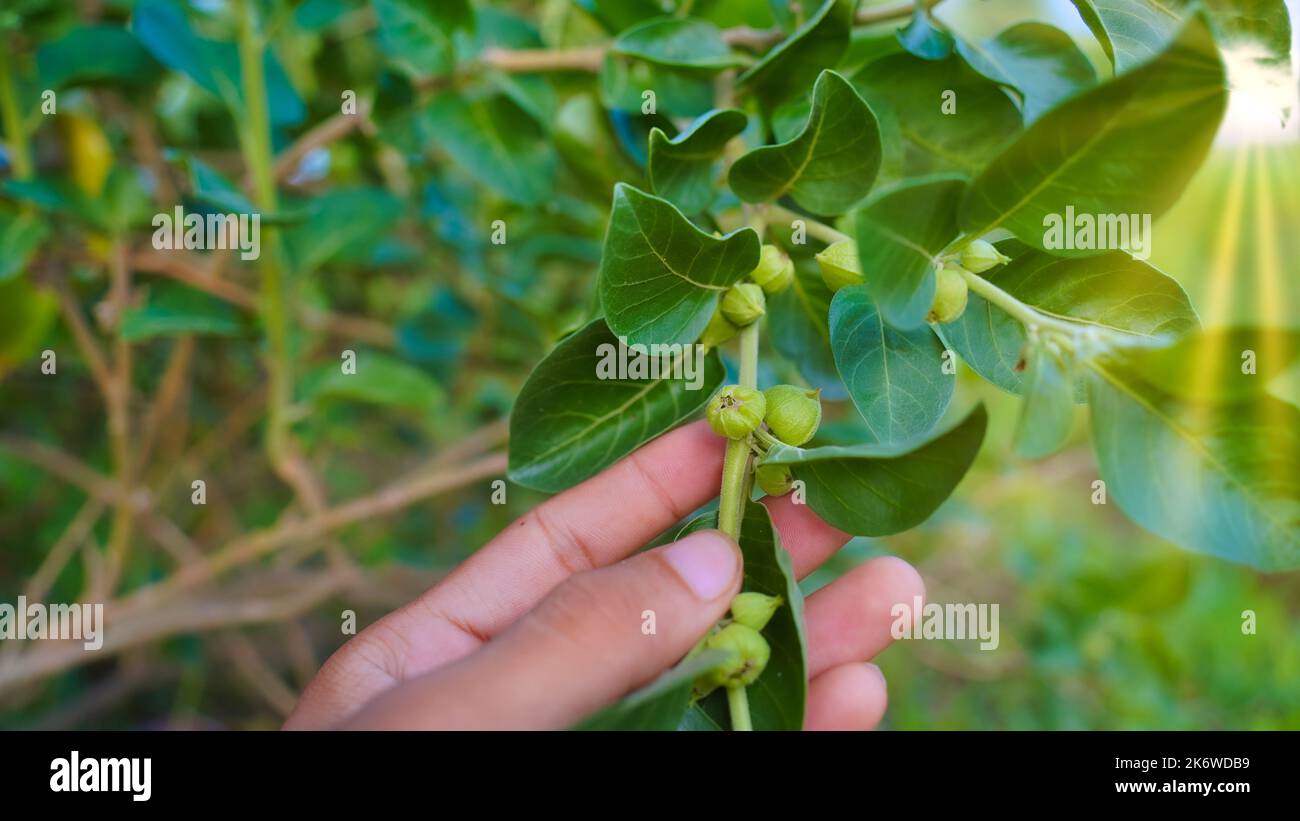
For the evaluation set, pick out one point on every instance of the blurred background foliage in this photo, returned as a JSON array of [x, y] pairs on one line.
[[383, 229]]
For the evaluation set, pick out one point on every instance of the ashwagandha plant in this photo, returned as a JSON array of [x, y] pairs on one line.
[[878, 208]]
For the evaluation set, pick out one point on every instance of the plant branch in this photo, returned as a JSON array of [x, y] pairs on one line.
[[1027, 315], [183, 268], [15, 128], [818, 229], [256, 144], [389, 499], [590, 58]]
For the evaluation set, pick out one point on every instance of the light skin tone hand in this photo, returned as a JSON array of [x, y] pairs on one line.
[[542, 626]]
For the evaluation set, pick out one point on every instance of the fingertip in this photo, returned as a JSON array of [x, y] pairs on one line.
[[898, 577], [848, 697], [708, 562]]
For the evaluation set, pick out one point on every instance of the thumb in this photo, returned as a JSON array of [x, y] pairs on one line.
[[584, 646]]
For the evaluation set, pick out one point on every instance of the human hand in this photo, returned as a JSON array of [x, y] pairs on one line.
[[542, 626]]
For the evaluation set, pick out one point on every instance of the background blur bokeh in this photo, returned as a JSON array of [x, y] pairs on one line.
[[386, 245]]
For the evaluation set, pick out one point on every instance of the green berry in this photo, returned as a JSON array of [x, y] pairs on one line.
[[754, 610], [743, 304], [775, 480], [793, 413], [748, 653], [775, 271], [979, 256], [736, 411], [949, 295], [840, 265], [718, 330]]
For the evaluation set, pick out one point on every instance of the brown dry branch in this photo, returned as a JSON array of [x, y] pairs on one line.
[[391, 498], [260, 601]]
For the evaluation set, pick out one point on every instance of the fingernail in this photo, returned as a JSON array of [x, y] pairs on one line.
[[706, 561]]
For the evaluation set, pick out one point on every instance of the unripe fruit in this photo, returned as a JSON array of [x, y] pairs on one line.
[[979, 256], [718, 330], [775, 480], [743, 304], [736, 411], [748, 655], [754, 610], [775, 271], [793, 413], [949, 295], [840, 265]]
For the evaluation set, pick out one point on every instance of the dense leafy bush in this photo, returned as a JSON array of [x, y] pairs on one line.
[[864, 202]]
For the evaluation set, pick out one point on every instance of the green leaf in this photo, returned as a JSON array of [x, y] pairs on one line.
[[800, 332], [877, 489], [1040, 61], [1219, 363], [568, 424], [1217, 479], [26, 315], [829, 167], [624, 82], [659, 705], [21, 234], [895, 377], [1112, 291], [163, 29], [921, 38], [790, 67], [937, 116], [1047, 415], [94, 53], [380, 379], [681, 168], [1131, 31], [343, 225], [210, 187], [583, 140], [1126, 147], [778, 697], [900, 232], [660, 276], [173, 309], [677, 42], [414, 38], [497, 142], [617, 15]]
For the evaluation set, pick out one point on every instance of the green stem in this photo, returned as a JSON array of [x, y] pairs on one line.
[[256, 139], [15, 130], [736, 477], [1025, 314], [738, 703], [736, 463], [820, 230]]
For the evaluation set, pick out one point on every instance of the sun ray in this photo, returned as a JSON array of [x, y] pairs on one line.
[[1222, 268]]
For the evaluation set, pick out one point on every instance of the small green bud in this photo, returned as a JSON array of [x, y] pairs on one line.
[[749, 653], [744, 303], [979, 256], [736, 411], [754, 610], [840, 265], [775, 480], [775, 271], [950, 293], [793, 413], [718, 330]]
